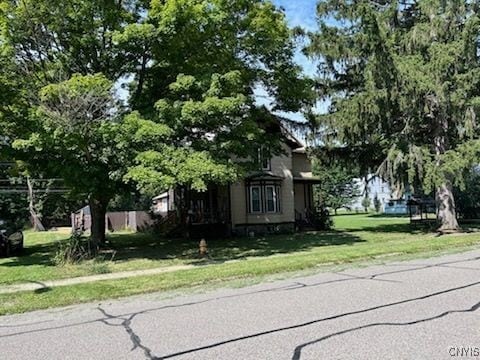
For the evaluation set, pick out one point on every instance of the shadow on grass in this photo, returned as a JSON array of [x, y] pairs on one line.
[[380, 215], [370, 214], [40, 254], [129, 246], [126, 246], [406, 228], [143, 246]]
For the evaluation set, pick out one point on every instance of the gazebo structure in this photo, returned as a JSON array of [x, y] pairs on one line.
[[422, 210]]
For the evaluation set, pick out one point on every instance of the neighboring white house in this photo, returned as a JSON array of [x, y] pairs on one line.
[[376, 187]]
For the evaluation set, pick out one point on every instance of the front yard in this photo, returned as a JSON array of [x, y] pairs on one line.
[[355, 238]]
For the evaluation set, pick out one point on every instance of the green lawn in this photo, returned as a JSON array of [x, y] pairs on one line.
[[357, 237]]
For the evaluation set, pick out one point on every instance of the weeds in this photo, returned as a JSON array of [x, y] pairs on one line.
[[73, 251]]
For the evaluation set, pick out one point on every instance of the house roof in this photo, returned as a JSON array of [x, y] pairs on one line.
[[301, 150], [85, 209], [274, 124], [292, 141], [161, 196], [264, 175], [306, 177]]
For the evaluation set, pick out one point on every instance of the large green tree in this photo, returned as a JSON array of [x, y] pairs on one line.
[[47, 43], [81, 142], [195, 66], [403, 78]]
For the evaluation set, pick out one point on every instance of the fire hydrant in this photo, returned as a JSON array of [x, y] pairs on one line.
[[203, 251]]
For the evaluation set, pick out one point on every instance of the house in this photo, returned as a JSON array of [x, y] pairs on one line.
[[374, 187], [276, 198], [391, 202]]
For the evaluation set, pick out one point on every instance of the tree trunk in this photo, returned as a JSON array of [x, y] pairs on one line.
[[36, 221], [98, 210], [446, 211]]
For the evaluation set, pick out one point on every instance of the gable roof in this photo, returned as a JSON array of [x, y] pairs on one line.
[[276, 125]]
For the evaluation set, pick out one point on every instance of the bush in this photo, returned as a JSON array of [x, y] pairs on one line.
[[323, 221], [76, 249], [366, 202], [377, 204]]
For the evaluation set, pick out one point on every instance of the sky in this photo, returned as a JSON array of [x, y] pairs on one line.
[[299, 13]]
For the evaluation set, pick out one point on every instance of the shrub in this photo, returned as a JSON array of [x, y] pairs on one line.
[[366, 202], [377, 204], [323, 221], [76, 249]]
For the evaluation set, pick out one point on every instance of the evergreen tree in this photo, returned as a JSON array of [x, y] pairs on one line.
[[468, 197], [403, 78]]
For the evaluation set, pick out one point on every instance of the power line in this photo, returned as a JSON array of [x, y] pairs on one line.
[[38, 191]]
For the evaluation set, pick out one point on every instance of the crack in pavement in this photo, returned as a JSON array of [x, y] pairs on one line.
[[308, 323], [295, 285], [126, 319], [365, 277], [298, 350], [127, 325], [25, 324], [423, 267]]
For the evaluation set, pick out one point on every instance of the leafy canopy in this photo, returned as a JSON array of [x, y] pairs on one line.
[[196, 65]]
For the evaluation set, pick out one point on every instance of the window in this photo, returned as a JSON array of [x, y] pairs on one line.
[[271, 198], [266, 164], [263, 198], [264, 161], [255, 199]]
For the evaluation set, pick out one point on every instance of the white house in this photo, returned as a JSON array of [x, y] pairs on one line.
[[375, 187]]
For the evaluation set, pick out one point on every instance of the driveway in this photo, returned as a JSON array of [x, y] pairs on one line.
[[421, 309]]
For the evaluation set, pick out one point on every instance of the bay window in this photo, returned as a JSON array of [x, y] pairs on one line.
[[255, 199], [263, 198]]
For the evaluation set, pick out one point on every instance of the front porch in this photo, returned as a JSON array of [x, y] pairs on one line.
[[207, 214], [306, 211]]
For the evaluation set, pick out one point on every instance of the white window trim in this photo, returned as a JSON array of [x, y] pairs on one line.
[[269, 164], [275, 199], [260, 199], [261, 160]]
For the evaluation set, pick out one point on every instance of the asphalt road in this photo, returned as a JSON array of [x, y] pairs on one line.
[[422, 309]]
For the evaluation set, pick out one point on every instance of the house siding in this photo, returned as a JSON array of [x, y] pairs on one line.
[[299, 197], [301, 163], [282, 166]]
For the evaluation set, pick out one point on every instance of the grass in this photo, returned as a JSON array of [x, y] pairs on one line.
[[357, 237]]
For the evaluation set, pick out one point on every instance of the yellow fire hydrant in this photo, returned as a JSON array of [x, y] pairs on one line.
[[203, 251]]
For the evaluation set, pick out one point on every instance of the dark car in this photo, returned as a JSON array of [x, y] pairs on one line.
[[11, 239]]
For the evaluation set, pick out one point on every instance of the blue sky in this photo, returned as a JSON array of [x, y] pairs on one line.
[[299, 13]]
